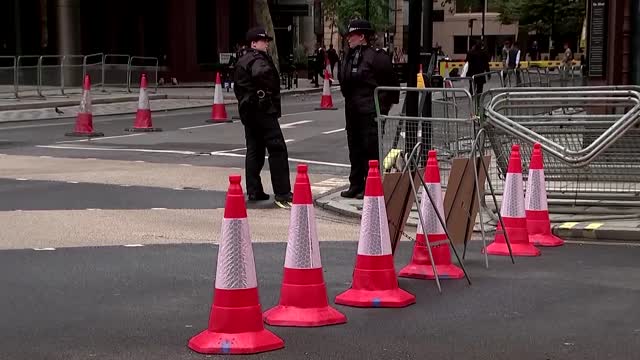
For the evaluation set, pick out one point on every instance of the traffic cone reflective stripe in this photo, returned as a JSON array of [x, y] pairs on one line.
[[536, 207], [218, 110], [303, 296], [84, 119], [513, 214], [326, 102], [420, 266], [143, 121], [374, 278], [235, 321]]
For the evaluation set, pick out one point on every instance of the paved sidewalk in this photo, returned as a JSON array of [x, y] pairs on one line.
[[116, 103], [568, 222]]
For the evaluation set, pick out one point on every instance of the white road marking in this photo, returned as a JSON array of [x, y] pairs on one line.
[[133, 245], [179, 152], [289, 140], [182, 152], [99, 138], [201, 126], [139, 161], [293, 124], [301, 113], [45, 157], [185, 165], [72, 182], [22, 179], [92, 209], [44, 249], [333, 131], [158, 208]]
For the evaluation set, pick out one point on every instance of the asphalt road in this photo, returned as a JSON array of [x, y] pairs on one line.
[[52, 195], [313, 136], [574, 302]]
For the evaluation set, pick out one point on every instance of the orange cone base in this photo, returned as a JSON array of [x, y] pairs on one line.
[[84, 126], [84, 134], [375, 285], [420, 266], [303, 301], [395, 298], [215, 121], [326, 108], [518, 236], [303, 317], [539, 228], [143, 122], [500, 248], [425, 271], [209, 342]]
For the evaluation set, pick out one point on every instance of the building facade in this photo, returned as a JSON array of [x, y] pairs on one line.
[[187, 36]]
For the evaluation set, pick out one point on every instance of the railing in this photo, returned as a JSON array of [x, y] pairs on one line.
[[42, 76]]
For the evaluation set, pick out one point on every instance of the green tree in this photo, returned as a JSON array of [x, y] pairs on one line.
[[340, 12], [263, 18], [564, 17]]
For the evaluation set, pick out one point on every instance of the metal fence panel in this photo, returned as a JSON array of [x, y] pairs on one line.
[[50, 75], [450, 130], [139, 65], [92, 65], [8, 74], [590, 137], [27, 77], [73, 73], [115, 72]]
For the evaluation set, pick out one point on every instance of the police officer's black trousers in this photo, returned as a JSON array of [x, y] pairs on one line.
[[264, 133], [362, 137]]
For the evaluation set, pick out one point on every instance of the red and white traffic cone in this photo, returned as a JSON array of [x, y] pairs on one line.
[[235, 321], [420, 266], [84, 120], [513, 214], [374, 277], [326, 103], [218, 111], [143, 121], [536, 207], [303, 295]]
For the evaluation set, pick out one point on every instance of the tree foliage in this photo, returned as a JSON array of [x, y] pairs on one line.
[[340, 12], [564, 16], [263, 18]]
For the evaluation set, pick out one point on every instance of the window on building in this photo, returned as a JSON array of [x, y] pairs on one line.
[[475, 6]]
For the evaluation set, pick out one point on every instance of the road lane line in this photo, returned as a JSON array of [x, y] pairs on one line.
[[333, 131], [201, 126], [99, 138], [301, 113], [179, 152], [22, 179], [183, 152], [44, 249], [293, 124], [289, 140], [133, 245]]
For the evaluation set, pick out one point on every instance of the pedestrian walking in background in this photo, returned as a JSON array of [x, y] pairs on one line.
[[257, 88], [478, 60], [362, 70]]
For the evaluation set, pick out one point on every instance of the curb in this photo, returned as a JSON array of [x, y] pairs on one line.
[[596, 231], [72, 102]]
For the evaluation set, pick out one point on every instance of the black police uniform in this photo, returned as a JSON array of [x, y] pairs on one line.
[[257, 88], [364, 69]]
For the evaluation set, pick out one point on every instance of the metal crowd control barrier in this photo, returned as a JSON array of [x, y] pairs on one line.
[[115, 72], [73, 69], [590, 136], [450, 131], [139, 65], [50, 75], [8, 77], [92, 65], [27, 81]]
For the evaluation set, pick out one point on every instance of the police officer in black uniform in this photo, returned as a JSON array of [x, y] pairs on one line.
[[363, 69], [257, 88]]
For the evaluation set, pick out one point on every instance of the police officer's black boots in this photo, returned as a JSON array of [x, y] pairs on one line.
[[261, 196], [284, 200], [353, 193]]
